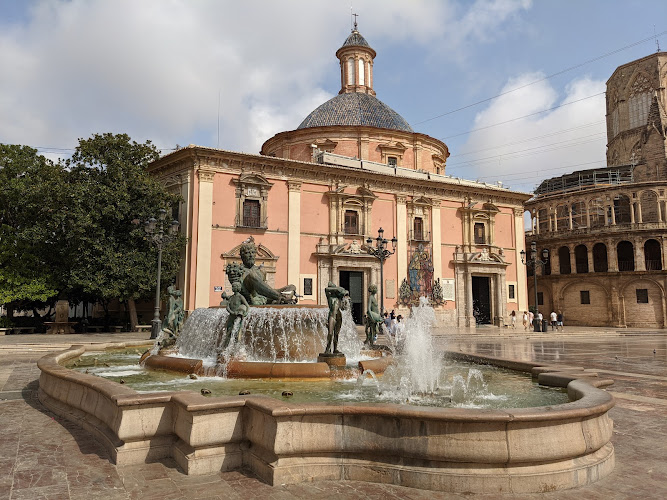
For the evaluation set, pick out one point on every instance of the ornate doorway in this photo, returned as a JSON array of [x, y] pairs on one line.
[[354, 282], [481, 299]]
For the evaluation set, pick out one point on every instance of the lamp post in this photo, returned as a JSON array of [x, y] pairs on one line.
[[161, 233], [535, 262], [381, 253]]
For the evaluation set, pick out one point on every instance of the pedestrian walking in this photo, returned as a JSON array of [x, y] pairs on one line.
[[513, 319], [525, 321], [559, 321], [553, 317]]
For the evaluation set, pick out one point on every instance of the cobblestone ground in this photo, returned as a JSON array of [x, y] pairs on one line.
[[43, 456]]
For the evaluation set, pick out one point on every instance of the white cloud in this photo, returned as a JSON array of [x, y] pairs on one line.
[[523, 152], [155, 68]]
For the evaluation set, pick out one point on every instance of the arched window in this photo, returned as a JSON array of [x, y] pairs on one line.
[[639, 101], [361, 72], [652, 255], [649, 202], [350, 71], [564, 259], [578, 214], [600, 264], [581, 258], [596, 211], [622, 209], [626, 256]]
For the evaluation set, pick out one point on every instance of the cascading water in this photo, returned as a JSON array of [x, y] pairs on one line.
[[280, 333], [349, 342]]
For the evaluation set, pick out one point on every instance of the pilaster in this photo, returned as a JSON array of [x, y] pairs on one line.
[[402, 237], [436, 236], [521, 278], [294, 234], [204, 237]]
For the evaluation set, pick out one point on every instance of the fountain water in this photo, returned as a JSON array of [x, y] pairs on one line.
[[418, 369]]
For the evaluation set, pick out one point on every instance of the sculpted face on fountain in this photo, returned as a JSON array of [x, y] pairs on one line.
[[253, 286]]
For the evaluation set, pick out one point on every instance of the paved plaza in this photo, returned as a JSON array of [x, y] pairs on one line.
[[44, 456]]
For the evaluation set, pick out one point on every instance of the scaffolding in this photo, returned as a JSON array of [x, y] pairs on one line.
[[584, 179]]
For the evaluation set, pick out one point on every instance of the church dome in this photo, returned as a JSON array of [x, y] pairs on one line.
[[355, 40], [355, 108]]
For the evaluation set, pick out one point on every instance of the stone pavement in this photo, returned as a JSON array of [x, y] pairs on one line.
[[43, 456]]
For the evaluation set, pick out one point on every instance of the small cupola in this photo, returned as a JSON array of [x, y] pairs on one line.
[[356, 64]]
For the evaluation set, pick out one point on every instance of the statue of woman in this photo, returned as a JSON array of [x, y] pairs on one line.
[[373, 316], [335, 295]]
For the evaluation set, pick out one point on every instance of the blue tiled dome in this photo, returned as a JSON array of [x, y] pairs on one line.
[[355, 109]]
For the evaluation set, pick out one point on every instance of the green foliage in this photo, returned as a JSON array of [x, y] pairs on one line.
[[73, 228], [32, 221]]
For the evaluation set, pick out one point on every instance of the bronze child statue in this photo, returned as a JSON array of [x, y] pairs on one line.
[[237, 307]]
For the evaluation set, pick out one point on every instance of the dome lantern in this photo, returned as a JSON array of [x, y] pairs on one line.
[[356, 64]]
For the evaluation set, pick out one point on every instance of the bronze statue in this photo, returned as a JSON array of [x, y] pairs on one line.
[[373, 317], [335, 295], [253, 286], [237, 307], [174, 319]]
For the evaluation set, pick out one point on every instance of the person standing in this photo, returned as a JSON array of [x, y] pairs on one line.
[[539, 321], [559, 321], [525, 321], [513, 319], [531, 318], [553, 317], [387, 322]]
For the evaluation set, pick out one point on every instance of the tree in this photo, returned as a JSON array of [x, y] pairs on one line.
[[72, 228], [114, 260], [33, 218]]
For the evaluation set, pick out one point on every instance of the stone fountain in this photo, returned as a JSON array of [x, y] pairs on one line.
[[504, 450], [259, 331]]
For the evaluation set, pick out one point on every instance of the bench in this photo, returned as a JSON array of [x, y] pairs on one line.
[[94, 328], [144, 328], [5, 331], [115, 329], [23, 329]]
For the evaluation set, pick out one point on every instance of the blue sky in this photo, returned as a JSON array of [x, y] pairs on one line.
[[155, 69]]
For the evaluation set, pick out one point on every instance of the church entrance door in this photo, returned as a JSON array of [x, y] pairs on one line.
[[353, 281], [481, 299]]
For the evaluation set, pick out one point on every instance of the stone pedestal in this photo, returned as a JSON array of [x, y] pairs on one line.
[[61, 325], [332, 359]]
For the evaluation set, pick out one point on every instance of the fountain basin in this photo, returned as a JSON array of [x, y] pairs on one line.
[[447, 449]]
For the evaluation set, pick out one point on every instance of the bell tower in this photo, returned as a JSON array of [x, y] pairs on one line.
[[356, 64]]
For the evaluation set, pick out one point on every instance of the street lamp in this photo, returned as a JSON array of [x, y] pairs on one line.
[[535, 262], [161, 233], [381, 253]]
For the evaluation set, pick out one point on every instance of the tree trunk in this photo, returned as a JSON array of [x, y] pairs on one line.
[[132, 309]]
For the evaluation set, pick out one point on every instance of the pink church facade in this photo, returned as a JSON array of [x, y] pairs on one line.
[[315, 194]]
